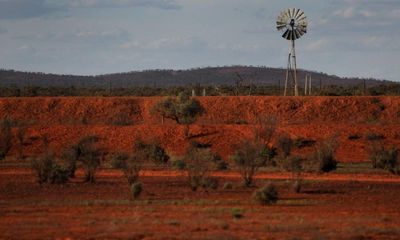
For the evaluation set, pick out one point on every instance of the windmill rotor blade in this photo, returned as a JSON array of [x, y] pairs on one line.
[[287, 14], [281, 27], [286, 34], [302, 18], [292, 10], [290, 35], [296, 34], [297, 13], [300, 15]]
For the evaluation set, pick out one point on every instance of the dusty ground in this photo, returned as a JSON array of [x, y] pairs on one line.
[[346, 204], [332, 206]]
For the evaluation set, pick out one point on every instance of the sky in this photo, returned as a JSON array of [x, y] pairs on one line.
[[353, 38]]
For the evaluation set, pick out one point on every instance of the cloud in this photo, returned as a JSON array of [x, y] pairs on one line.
[[20, 9], [3, 30], [317, 45], [160, 4], [167, 43], [395, 13], [25, 9]]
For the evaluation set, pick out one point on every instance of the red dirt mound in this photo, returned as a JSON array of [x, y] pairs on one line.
[[227, 121]]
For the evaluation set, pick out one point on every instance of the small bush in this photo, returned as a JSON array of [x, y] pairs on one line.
[[210, 182], [249, 158], [118, 160], [285, 144], [354, 137], [323, 159], [198, 162], [5, 138], [136, 189], [383, 158], [266, 195], [59, 174], [374, 136], [153, 152], [43, 167], [47, 170], [220, 164], [178, 164], [237, 213], [297, 186], [228, 186]]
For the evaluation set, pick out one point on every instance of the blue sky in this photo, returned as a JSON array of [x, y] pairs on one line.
[[345, 38]]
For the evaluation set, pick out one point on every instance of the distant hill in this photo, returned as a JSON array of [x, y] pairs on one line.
[[167, 78]]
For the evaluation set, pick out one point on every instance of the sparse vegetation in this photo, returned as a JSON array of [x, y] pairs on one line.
[[182, 109], [248, 158], [198, 164], [220, 164], [48, 169], [228, 186], [285, 144], [5, 137], [385, 158], [237, 213], [85, 152], [323, 158], [371, 136], [136, 189], [266, 195]]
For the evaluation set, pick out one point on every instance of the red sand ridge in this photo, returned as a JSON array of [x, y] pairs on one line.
[[227, 121]]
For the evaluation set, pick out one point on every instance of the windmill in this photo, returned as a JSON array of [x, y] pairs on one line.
[[293, 23]]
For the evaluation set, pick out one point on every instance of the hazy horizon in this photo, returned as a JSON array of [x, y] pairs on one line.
[[347, 38]]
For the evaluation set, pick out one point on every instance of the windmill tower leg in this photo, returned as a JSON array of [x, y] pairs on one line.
[[294, 65], [305, 86], [287, 74], [310, 85]]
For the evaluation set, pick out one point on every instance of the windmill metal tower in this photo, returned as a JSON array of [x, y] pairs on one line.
[[293, 23]]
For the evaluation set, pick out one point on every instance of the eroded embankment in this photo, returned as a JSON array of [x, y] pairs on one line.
[[227, 121]]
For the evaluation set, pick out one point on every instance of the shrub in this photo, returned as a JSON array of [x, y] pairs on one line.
[[266, 128], [237, 213], [5, 137], [198, 162], [323, 158], [228, 186], [220, 164], [269, 153], [178, 163], [153, 151], [374, 136], [285, 144], [248, 158], [47, 170], [210, 182], [383, 158], [59, 174], [297, 186], [136, 189], [118, 160], [43, 167], [21, 137], [182, 109], [88, 153], [266, 195]]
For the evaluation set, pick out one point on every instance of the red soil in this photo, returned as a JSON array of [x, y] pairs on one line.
[[65, 120], [168, 209]]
